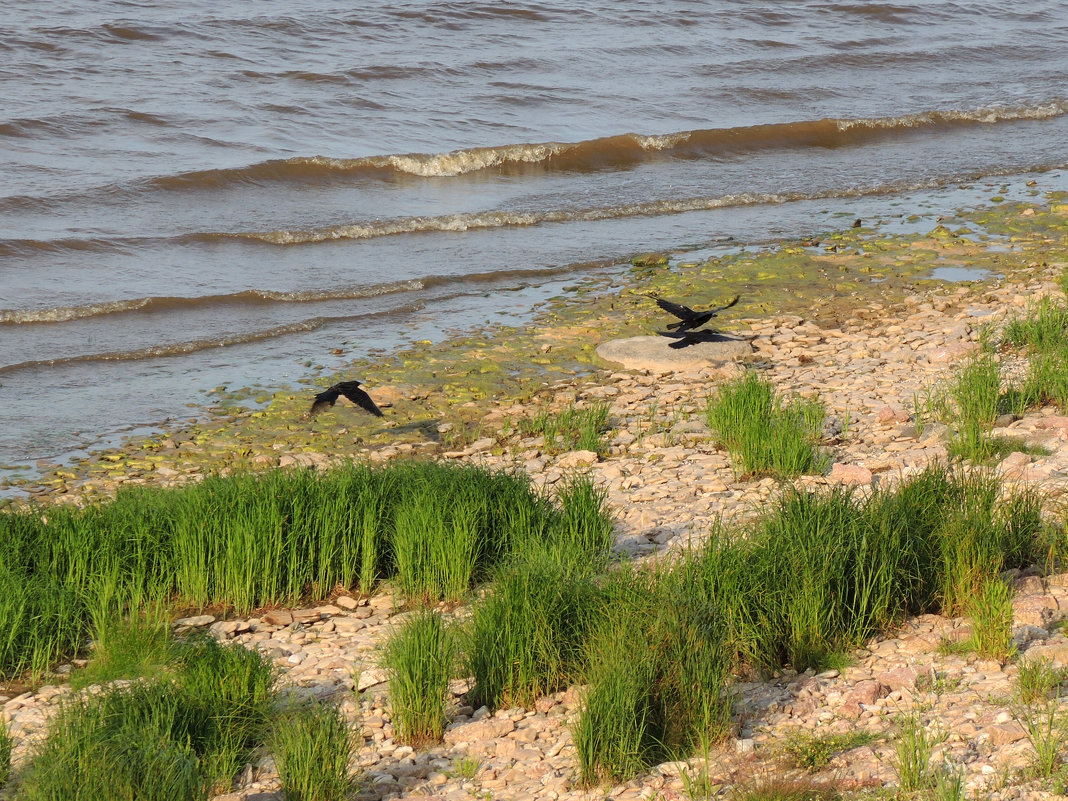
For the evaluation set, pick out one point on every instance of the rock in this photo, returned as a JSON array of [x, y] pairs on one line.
[[653, 353], [867, 692], [1014, 464], [195, 622], [480, 730], [1022, 635], [892, 414], [1052, 422], [278, 617], [346, 602], [851, 474], [574, 459], [899, 678], [370, 677], [744, 746], [1005, 733], [225, 628], [1057, 653]]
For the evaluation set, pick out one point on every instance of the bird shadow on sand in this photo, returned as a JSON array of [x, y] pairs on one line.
[[428, 428], [683, 339]]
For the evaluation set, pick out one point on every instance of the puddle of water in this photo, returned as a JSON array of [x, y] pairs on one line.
[[955, 274]]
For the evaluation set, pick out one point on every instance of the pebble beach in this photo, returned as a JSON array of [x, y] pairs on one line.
[[871, 351]]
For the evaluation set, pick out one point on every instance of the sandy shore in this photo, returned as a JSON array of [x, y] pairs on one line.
[[861, 327]]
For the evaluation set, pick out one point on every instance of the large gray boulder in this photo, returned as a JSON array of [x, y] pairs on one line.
[[656, 353]]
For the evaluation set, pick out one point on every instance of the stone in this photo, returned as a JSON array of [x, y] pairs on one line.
[[370, 677], [892, 414], [195, 622], [278, 617], [480, 730], [850, 474], [653, 353], [1055, 422], [1005, 733], [574, 459], [867, 692]]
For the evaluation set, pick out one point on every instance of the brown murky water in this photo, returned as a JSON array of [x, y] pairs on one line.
[[197, 194]]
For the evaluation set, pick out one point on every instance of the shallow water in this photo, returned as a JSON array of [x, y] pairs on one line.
[[195, 197]]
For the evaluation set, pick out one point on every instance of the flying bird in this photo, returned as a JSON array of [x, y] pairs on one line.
[[351, 390], [690, 318]]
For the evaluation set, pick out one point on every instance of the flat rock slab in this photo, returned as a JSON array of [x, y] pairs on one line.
[[655, 353]]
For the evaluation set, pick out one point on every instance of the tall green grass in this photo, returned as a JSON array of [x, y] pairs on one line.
[[762, 433], [912, 753], [970, 402], [1044, 327], [823, 572], [1043, 331], [5, 754], [135, 646], [1046, 728], [312, 745], [250, 540], [180, 736], [656, 676], [420, 657], [526, 634], [976, 392], [811, 580], [991, 612]]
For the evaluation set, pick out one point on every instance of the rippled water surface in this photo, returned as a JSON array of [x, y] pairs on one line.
[[199, 194]]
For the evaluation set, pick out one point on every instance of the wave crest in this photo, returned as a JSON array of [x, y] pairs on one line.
[[611, 152]]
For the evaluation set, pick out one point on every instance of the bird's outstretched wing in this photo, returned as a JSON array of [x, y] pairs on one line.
[[352, 391], [730, 303], [324, 400], [684, 313]]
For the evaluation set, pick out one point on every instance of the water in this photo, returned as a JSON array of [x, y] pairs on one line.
[[194, 197]]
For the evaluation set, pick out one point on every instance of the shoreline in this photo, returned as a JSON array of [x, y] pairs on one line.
[[437, 395]]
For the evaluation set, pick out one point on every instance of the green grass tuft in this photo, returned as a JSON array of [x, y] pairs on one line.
[[977, 396], [128, 648], [1046, 729], [176, 737], [991, 613], [814, 751], [420, 657], [571, 429], [1038, 679], [761, 433], [5, 754], [912, 754], [657, 676], [312, 745]]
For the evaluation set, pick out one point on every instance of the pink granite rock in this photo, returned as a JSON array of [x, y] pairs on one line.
[[851, 474]]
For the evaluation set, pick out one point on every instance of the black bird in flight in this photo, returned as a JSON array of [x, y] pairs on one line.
[[351, 390], [690, 318]]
